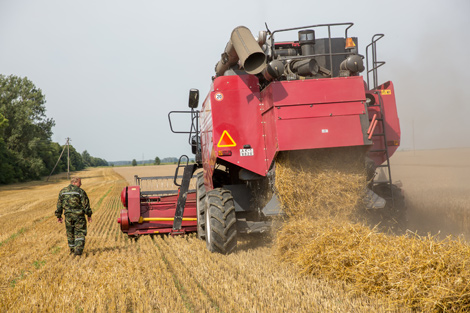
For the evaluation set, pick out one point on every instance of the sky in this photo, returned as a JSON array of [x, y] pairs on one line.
[[112, 70]]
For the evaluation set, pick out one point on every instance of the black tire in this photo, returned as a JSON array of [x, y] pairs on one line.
[[201, 206], [221, 221]]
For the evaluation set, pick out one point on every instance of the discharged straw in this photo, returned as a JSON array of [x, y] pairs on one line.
[[321, 183], [320, 192]]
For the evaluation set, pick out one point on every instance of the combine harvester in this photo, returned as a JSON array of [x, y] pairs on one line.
[[268, 97]]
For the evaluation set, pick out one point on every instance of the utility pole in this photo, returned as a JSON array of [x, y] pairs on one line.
[[68, 158], [60, 156]]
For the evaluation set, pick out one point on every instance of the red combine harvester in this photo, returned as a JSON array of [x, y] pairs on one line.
[[268, 98]]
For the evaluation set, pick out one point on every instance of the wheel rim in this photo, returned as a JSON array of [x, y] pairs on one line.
[[208, 226], [198, 212]]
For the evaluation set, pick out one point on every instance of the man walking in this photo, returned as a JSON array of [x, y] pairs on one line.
[[74, 201]]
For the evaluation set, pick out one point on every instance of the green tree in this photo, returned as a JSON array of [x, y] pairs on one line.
[[76, 160], [7, 171], [91, 161], [134, 162], [26, 131], [3, 123], [99, 162], [157, 161], [26, 149], [49, 156], [87, 159]]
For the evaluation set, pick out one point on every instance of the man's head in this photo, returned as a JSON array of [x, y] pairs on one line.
[[77, 181]]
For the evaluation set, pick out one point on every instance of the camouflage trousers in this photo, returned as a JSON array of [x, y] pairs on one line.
[[75, 225]]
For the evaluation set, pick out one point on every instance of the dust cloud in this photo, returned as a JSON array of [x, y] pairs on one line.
[[437, 190]]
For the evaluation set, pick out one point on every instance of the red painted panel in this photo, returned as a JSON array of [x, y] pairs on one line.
[[392, 123], [325, 90], [270, 138], [320, 110], [322, 132], [317, 113], [133, 203], [235, 82], [286, 115], [236, 112]]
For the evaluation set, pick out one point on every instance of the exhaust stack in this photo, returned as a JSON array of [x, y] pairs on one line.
[[242, 46]]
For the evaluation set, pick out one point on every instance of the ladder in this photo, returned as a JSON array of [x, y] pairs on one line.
[[371, 132], [375, 64]]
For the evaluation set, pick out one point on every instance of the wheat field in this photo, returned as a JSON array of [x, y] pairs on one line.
[[159, 274], [163, 274]]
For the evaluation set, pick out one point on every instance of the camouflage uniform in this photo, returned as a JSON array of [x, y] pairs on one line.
[[74, 202]]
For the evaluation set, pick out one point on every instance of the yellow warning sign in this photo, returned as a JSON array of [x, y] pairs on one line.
[[350, 43], [384, 92], [226, 140]]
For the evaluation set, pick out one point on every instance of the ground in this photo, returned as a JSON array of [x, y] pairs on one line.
[[178, 274]]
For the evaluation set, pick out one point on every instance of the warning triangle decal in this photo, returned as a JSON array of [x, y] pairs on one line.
[[226, 140]]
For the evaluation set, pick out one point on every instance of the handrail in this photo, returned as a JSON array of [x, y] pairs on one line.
[[193, 129], [313, 26], [330, 54], [375, 64]]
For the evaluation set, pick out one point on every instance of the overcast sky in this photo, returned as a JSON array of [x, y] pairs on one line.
[[112, 70]]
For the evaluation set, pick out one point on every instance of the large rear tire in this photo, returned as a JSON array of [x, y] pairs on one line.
[[201, 205], [221, 221]]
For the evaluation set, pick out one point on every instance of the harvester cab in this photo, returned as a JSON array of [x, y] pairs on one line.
[[271, 97]]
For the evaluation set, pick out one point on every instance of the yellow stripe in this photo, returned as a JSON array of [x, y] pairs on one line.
[[163, 219]]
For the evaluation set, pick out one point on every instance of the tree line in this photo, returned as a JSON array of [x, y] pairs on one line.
[[26, 149]]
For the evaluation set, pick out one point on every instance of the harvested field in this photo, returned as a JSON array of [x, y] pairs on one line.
[[128, 174], [164, 274], [158, 274], [151, 170]]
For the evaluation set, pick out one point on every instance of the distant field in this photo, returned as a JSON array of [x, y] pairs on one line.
[[163, 274], [437, 189], [128, 172]]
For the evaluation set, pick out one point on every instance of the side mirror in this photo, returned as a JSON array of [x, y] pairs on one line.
[[193, 98]]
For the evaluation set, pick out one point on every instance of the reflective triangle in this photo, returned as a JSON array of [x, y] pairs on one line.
[[226, 140]]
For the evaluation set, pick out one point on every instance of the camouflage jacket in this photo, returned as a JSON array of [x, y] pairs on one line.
[[73, 199]]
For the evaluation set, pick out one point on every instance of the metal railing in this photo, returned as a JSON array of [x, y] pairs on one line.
[[375, 64], [330, 54]]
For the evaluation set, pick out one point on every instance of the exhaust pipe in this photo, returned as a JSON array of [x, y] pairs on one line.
[[242, 46]]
